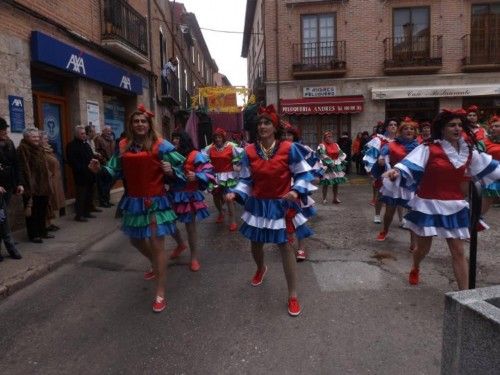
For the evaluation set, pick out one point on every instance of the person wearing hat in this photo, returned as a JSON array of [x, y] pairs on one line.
[[435, 171], [473, 117], [10, 183], [391, 154], [275, 178], [371, 154], [424, 132], [492, 145], [225, 157], [333, 159]]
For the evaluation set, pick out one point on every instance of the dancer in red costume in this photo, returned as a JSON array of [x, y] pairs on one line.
[[372, 152], [332, 158], [187, 198], [492, 145], [272, 203], [391, 154], [425, 132], [436, 171], [225, 157], [473, 117], [147, 162]]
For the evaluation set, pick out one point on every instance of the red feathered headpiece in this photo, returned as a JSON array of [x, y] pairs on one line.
[[493, 119], [289, 128], [458, 112], [141, 108], [269, 113], [221, 132], [407, 121], [472, 108]]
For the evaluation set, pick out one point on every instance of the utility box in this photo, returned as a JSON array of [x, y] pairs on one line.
[[471, 332]]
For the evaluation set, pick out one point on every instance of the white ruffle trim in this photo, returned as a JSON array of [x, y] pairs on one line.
[[394, 190], [243, 188], [332, 175], [224, 176], [436, 206], [300, 167], [461, 233], [459, 158], [262, 222], [305, 185]]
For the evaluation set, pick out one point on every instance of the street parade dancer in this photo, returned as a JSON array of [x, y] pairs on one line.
[[272, 211], [492, 145], [292, 134], [372, 152], [424, 132], [391, 154], [333, 159], [435, 171], [147, 163], [477, 129], [225, 157], [187, 197]]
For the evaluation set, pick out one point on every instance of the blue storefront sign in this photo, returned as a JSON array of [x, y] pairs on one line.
[[50, 51], [16, 112]]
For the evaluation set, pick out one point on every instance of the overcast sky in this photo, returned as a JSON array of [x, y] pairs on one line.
[[225, 48]]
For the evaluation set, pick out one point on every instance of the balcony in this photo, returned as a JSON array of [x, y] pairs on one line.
[[124, 31], [319, 59], [416, 55], [481, 53], [170, 91]]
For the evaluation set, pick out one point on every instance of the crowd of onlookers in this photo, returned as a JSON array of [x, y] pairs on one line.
[[33, 171]]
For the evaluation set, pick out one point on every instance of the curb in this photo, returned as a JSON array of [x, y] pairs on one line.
[[33, 274]]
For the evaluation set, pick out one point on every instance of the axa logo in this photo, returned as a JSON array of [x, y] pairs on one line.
[[125, 83], [17, 103], [76, 64]]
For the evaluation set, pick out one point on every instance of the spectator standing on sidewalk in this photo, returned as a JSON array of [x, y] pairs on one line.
[[57, 198], [91, 136], [79, 154], [105, 147], [35, 174], [10, 182]]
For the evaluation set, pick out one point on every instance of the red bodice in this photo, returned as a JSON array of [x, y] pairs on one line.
[[272, 178], [190, 167], [492, 148], [441, 180], [332, 150], [143, 172], [221, 160], [397, 152]]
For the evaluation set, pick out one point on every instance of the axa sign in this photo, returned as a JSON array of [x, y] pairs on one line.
[[76, 64], [125, 83], [17, 103]]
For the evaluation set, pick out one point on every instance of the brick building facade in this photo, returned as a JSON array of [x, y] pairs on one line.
[[344, 64], [93, 61]]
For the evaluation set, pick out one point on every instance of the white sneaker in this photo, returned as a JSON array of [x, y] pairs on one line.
[[402, 223], [377, 220]]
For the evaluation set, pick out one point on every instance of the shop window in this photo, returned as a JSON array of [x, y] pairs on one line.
[[313, 127], [114, 114], [417, 109]]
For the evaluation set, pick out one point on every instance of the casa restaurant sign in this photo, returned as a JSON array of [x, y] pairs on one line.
[[434, 92]]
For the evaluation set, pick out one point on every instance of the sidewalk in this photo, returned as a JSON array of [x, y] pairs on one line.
[[40, 259]]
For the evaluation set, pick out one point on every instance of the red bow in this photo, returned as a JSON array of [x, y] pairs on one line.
[[221, 132], [472, 108], [147, 113], [458, 112], [408, 119], [269, 112], [494, 119]]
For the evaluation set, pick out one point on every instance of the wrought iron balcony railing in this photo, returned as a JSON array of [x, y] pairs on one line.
[[170, 90], [413, 52], [481, 51], [124, 23], [319, 58]]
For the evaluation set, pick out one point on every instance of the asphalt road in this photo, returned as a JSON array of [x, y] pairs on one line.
[[93, 316]]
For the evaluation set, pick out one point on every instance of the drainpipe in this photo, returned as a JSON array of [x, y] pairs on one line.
[[152, 87], [277, 57]]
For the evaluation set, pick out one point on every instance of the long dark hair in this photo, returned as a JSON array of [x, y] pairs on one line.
[[185, 142], [445, 117]]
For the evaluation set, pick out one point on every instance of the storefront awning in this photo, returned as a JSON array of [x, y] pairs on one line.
[[434, 91], [322, 106]]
